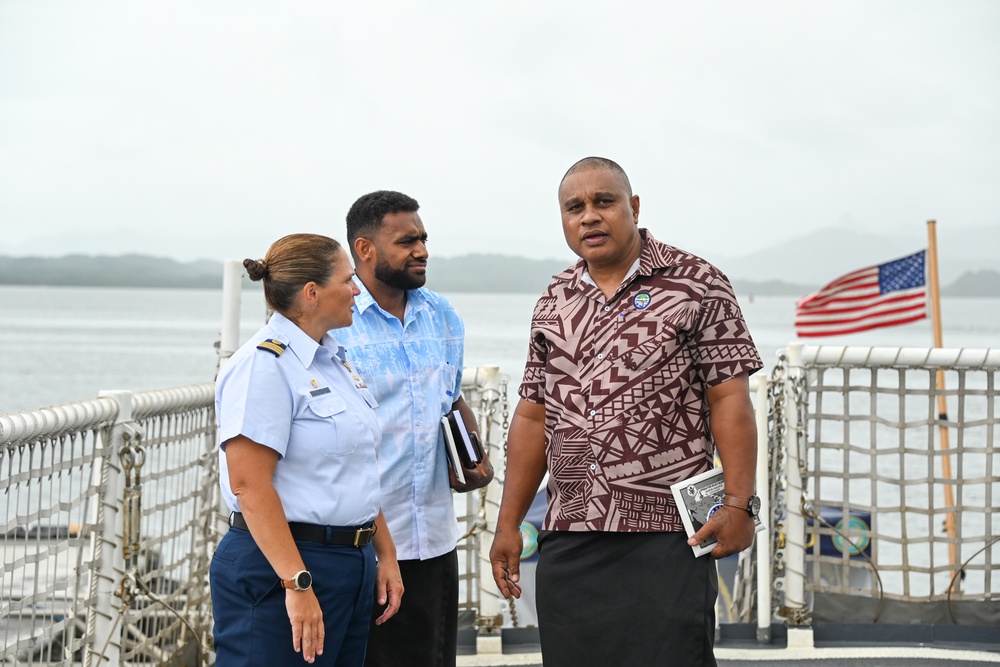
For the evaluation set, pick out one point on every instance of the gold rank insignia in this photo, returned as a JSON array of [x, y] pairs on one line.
[[273, 345], [314, 383], [359, 383]]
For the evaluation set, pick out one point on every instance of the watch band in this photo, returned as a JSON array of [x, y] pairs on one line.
[[301, 581], [750, 505]]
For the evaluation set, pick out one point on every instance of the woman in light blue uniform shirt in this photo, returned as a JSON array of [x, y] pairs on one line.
[[293, 578]]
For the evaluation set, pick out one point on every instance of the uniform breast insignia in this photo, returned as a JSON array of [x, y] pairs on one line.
[[358, 382], [273, 345]]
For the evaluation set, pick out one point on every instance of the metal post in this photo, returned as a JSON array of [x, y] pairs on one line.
[[229, 342], [488, 379], [488, 595], [232, 293], [763, 541], [795, 524], [110, 561]]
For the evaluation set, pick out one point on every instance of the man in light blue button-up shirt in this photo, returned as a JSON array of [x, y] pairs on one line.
[[408, 344]]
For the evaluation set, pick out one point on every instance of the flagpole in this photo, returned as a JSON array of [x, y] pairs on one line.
[[949, 500]]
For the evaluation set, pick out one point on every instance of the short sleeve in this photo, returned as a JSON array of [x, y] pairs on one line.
[[532, 387], [721, 340], [253, 400]]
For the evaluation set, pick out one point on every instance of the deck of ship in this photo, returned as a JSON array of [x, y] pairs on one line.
[[820, 657], [869, 656], [840, 645]]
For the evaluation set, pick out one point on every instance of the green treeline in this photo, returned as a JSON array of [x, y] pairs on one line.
[[468, 273]]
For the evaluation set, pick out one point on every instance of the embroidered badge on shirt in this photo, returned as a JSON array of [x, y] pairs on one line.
[[273, 345], [641, 300]]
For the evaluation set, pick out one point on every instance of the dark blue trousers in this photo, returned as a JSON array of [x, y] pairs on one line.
[[251, 623]]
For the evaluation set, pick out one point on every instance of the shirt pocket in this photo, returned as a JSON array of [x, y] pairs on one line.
[[447, 374], [641, 346], [328, 428]]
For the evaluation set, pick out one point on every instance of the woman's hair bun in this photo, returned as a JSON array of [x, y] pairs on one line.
[[255, 269]]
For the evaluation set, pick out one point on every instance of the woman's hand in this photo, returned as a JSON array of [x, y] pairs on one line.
[[388, 580], [389, 585], [308, 631]]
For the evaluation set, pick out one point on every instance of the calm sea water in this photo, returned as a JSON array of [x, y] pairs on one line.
[[62, 344]]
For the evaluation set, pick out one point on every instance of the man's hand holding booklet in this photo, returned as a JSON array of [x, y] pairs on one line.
[[470, 467], [698, 499]]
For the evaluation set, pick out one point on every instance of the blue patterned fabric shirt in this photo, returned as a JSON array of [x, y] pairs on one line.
[[414, 370]]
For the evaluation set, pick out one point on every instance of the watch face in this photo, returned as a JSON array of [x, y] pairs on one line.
[[303, 580], [754, 505]]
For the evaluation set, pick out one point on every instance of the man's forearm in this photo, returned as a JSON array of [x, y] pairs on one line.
[[734, 430], [738, 453], [525, 465]]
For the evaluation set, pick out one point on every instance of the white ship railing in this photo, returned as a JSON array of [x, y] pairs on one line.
[[485, 390], [109, 506], [885, 507], [111, 516]]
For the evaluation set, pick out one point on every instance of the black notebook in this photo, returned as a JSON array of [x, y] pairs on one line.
[[464, 448]]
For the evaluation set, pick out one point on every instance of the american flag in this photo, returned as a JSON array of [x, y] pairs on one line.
[[884, 295]]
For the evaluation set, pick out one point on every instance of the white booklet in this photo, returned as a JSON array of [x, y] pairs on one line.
[[698, 498]]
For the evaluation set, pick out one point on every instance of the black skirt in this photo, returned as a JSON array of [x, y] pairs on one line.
[[624, 599]]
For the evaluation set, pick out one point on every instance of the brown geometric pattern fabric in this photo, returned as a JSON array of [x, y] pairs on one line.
[[623, 381]]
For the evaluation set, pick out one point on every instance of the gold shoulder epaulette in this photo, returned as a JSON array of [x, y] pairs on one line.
[[274, 346]]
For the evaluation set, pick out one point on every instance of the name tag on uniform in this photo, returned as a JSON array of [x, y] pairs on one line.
[[319, 392]]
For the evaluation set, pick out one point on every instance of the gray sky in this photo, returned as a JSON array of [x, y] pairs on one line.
[[209, 129]]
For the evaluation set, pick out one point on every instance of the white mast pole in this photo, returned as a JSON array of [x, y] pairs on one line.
[[232, 293]]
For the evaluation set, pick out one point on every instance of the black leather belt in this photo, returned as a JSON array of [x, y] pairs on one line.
[[310, 532]]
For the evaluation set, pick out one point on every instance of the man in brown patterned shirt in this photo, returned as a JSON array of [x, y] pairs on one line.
[[636, 376]]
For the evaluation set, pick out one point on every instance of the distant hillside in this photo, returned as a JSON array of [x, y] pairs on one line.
[[769, 287], [492, 273], [817, 257], [974, 283], [109, 271], [469, 273]]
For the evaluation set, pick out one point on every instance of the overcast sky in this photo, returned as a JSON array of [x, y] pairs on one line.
[[208, 129]]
